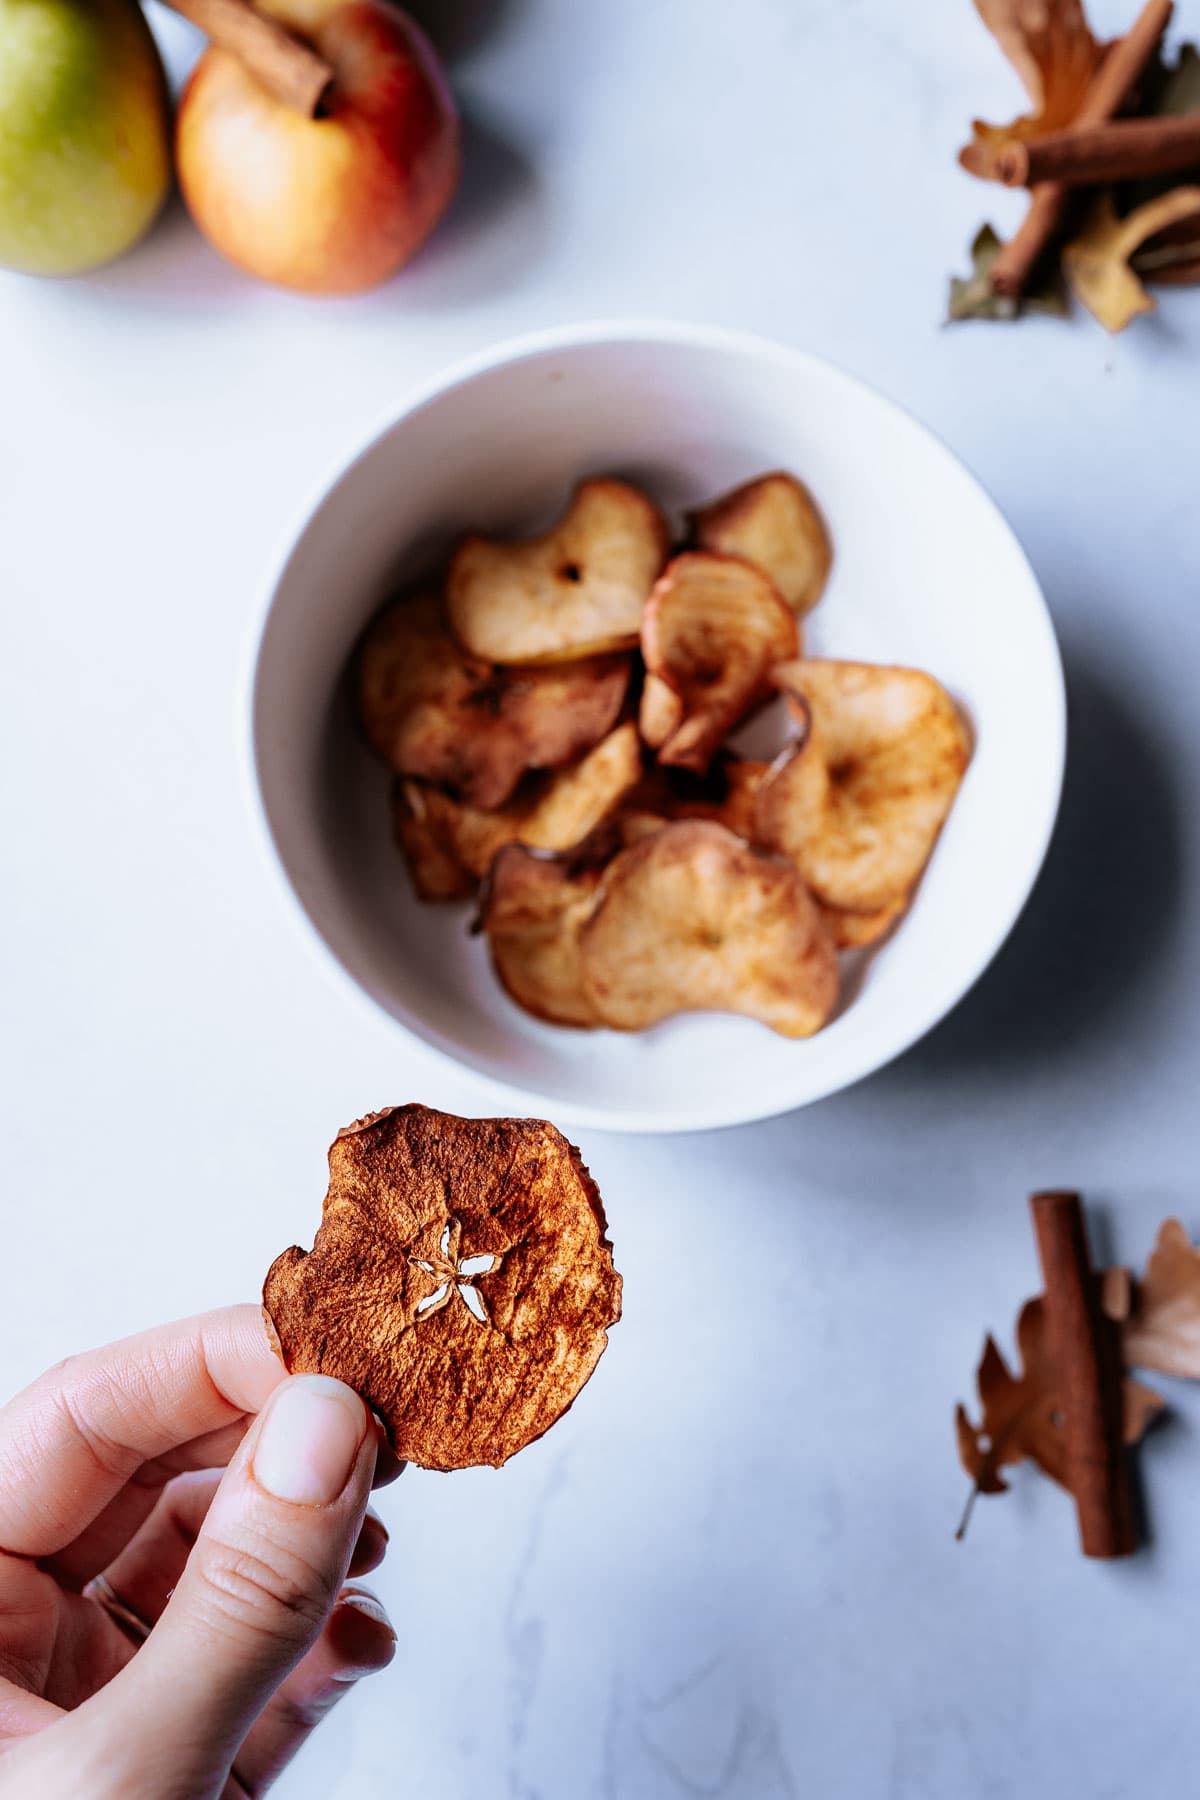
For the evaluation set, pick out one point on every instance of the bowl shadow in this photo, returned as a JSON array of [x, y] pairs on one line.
[[1105, 907]]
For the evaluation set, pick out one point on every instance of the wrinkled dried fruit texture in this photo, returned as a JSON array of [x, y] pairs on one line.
[[712, 631], [428, 710], [1096, 262], [691, 919], [1021, 1415], [547, 812], [577, 591], [858, 803], [461, 1281], [532, 912], [436, 872], [1050, 45], [1163, 1328], [726, 792], [774, 523], [859, 930]]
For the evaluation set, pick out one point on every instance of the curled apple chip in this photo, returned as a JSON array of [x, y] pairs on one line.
[[547, 812], [436, 872], [461, 1280], [859, 930], [859, 801], [692, 919], [577, 591], [533, 907], [774, 523], [712, 631], [429, 710]]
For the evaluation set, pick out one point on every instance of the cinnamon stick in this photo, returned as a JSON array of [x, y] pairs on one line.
[[286, 67], [1115, 152], [1086, 1350], [1120, 69]]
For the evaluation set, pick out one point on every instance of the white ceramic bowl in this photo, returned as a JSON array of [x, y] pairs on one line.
[[926, 572]]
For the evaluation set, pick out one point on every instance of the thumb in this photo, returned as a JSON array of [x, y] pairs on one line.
[[259, 1583]]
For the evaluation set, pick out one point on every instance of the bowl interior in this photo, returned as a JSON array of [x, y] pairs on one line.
[[926, 572]]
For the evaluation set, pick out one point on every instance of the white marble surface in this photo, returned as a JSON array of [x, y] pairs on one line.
[[730, 1572]]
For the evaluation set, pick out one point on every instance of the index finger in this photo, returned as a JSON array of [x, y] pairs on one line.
[[70, 1442]]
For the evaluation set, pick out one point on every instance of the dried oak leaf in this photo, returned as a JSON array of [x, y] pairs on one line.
[[429, 709], [971, 296], [461, 1281], [1097, 261], [1020, 1415], [1050, 45], [1163, 1328]]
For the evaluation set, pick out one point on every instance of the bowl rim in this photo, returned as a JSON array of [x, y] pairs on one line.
[[424, 392]]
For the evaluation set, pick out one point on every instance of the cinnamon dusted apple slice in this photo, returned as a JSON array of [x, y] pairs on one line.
[[712, 631], [428, 710], [775, 523], [532, 910], [436, 872], [859, 801], [461, 1280], [692, 919], [547, 812], [577, 591]]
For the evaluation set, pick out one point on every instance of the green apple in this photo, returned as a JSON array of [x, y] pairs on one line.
[[85, 143]]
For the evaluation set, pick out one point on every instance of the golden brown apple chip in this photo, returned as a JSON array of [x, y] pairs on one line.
[[532, 910], [577, 591], [712, 630], [461, 1281], [859, 930], [774, 523], [436, 872], [547, 812], [428, 710], [692, 919], [858, 803]]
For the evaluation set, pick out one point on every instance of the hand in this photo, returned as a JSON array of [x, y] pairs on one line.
[[115, 1517]]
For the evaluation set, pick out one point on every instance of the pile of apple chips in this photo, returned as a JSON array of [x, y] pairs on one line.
[[558, 716]]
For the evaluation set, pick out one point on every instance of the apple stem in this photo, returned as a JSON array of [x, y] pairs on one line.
[[288, 68]]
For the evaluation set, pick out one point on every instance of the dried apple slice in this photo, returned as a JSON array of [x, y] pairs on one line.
[[859, 801], [775, 523], [736, 801], [436, 872], [428, 710], [859, 930], [576, 591], [532, 911], [713, 628], [692, 919], [547, 812], [461, 1280]]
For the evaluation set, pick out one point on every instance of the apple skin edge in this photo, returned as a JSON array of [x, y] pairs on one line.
[[335, 204]]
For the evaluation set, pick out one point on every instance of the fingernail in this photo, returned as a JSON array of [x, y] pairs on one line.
[[310, 1440], [361, 1635]]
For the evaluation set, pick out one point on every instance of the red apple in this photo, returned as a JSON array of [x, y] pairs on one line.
[[335, 204]]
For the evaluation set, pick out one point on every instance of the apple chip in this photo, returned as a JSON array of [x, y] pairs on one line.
[[774, 523], [735, 801], [859, 930], [461, 1281], [713, 629], [577, 591], [428, 710], [547, 812], [692, 919], [859, 801], [436, 872], [533, 908]]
